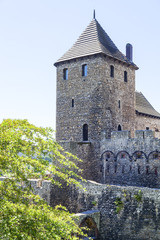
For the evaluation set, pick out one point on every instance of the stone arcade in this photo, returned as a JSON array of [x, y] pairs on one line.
[[112, 128]]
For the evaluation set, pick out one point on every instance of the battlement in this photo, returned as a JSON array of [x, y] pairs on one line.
[[41, 188], [131, 161], [140, 134], [144, 140], [120, 134]]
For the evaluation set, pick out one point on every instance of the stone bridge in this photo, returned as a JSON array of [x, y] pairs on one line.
[[91, 220]]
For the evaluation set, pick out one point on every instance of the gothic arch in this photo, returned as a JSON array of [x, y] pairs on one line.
[[123, 154], [108, 163], [139, 155], [153, 162], [123, 163], [107, 155], [153, 155]]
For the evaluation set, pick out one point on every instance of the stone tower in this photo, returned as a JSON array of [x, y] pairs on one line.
[[95, 93]]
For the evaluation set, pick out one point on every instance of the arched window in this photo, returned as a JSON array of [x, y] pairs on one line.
[[65, 73], [119, 128], [112, 71], [84, 70], [125, 76], [85, 132]]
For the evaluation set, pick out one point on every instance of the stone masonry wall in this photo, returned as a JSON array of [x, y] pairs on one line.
[[86, 151], [41, 188], [145, 121], [120, 159], [131, 161], [96, 103], [130, 213], [96, 98]]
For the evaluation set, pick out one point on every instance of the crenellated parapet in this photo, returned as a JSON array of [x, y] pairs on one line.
[[144, 140], [131, 161]]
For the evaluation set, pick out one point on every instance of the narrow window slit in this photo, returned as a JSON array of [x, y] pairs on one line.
[[112, 71], [85, 132], [84, 70], [156, 171], [125, 76], [65, 73], [147, 170], [115, 169], [119, 104], [72, 102]]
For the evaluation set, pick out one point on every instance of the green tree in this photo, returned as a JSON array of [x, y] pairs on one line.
[[24, 149]]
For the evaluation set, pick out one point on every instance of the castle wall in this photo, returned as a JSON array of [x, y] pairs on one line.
[[125, 212], [120, 159], [131, 161], [89, 153], [143, 121], [41, 188]]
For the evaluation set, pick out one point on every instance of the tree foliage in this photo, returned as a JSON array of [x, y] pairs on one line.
[[24, 153]]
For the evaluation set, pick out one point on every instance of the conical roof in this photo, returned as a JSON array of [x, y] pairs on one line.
[[144, 107], [92, 41]]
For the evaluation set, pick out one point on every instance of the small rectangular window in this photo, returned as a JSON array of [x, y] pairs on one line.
[[112, 71], [65, 73], [119, 104], [72, 102], [125, 76], [84, 70]]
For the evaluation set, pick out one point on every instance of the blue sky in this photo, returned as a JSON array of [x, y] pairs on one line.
[[35, 33]]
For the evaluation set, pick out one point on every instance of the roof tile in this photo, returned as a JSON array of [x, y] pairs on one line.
[[144, 107], [92, 41]]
